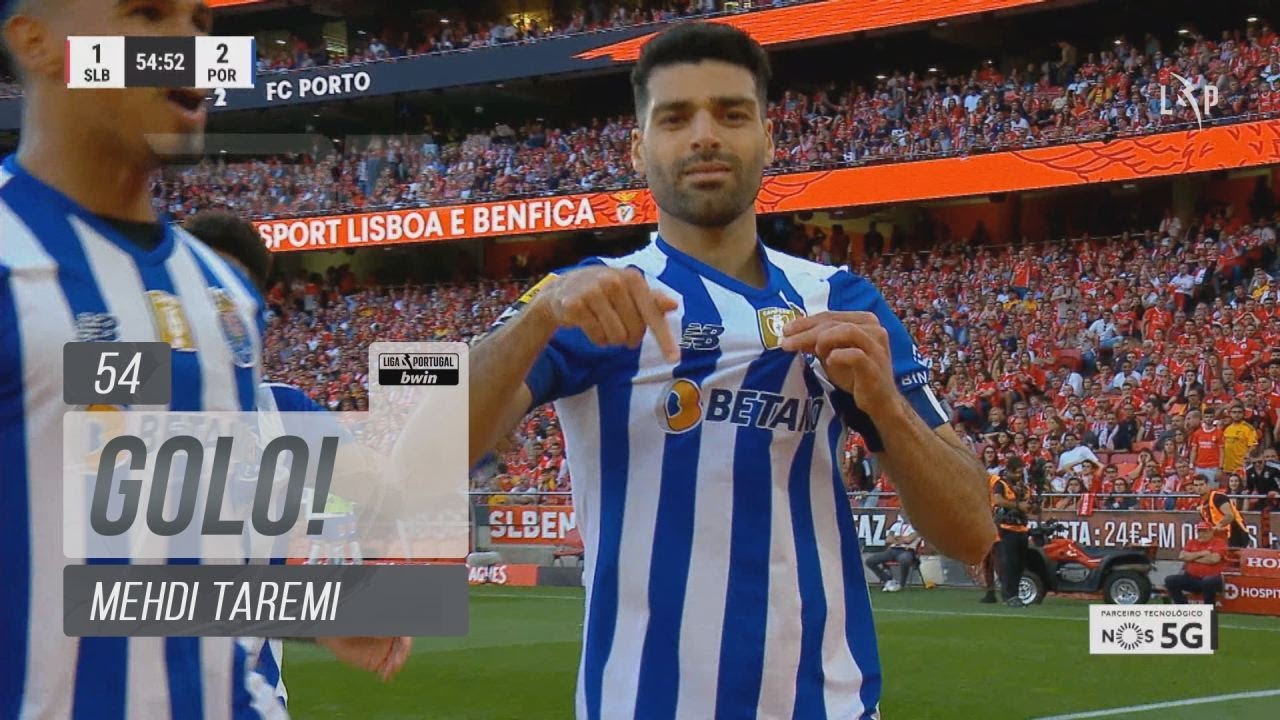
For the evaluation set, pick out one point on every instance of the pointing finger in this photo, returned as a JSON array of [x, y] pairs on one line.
[[653, 307]]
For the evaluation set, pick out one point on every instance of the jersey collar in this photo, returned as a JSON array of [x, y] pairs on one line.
[[772, 286], [57, 199]]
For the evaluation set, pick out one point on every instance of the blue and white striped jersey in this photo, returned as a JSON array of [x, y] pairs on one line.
[[267, 654], [66, 275], [723, 573]]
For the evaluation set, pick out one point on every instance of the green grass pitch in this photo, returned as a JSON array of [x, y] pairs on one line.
[[944, 656]]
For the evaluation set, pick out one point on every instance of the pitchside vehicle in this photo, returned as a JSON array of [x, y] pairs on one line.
[[1057, 563]]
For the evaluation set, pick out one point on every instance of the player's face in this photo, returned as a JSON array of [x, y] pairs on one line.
[[147, 123], [704, 142]]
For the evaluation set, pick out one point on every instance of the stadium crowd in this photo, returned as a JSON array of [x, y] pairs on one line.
[[1119, 367], [451, 31], [1111, 92]]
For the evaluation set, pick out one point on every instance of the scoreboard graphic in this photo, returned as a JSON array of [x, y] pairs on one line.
[[205, 63]]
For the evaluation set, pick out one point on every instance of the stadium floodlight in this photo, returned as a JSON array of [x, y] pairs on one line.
[[1183, 31], [1119, 41], [881, 76], [1251, 19], [933, 69]]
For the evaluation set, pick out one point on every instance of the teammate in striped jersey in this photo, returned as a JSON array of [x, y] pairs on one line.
[[703, 383], [84, 257], [236, 242]]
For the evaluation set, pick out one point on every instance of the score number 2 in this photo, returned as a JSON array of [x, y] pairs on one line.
[[220, 94], [128, 377]]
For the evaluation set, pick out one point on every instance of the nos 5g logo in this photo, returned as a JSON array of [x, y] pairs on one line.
[[1157, 630]]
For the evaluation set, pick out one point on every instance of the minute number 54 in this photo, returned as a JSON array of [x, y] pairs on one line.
[[128, 377]]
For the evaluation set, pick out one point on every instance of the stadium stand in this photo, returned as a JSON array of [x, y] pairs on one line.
[[1030, 344], [1111, 92], [448, 31]]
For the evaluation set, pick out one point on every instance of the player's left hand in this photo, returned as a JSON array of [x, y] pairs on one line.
[[853, 348], [384, 656]]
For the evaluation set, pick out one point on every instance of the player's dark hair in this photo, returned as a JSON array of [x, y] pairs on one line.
[[694, 43], [226, 232]]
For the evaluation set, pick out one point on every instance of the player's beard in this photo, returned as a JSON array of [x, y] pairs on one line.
[[706, 208]]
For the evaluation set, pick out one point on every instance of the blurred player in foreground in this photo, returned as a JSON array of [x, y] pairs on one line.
[[236, 241], [85, 257], [702, 384]]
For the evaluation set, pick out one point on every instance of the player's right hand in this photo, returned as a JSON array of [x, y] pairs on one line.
[[612, 307]]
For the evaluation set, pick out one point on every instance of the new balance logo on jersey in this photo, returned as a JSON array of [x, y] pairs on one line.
[[97, 327], [701, 336], [681, 408]]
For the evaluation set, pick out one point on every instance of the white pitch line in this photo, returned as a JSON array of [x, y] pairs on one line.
[[1162, 705], [912, 611]]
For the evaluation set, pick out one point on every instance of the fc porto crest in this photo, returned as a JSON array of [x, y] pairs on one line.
[[239, 339]]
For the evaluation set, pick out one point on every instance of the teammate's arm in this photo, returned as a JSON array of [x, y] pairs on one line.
[[499, 365], [611, 306]]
